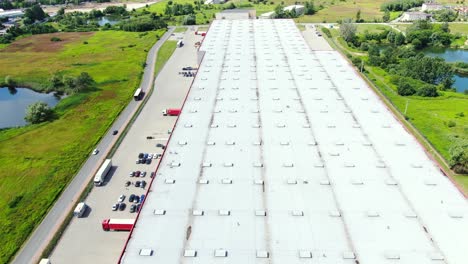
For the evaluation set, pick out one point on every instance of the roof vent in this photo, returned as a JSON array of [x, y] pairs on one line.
[[319, 165], [224, 212], [258, 164], [198, 212], [284, 143], [146, 252], [254, 98], [288, 164], [280, 125], [392, 255], [206, 164], [231, 125], [210, 143], [214, 126], [331, 126], [334, 153], [454, 214], [357, 182], [256, 125], [349, 255], [226, 181], [230, 142], [190, 253], [188, 125], [169, 181], [263, 254], [174, 164], [159, 212], [220, 253], [260, 213], [197, 98], [349, 165], [297, 213], [380, 165], [305, 254], [416, 165], [254, 111], [391, 181], [373, 214], [436, 256], [386, 126], [334, 213], [203, 181], [228, 164], [306, 126], [193, 111], [258, 182], [257, 143], [292, 181], [312, 143], [182, 143], [356, 125], [323, 111], [410, 214], [324, 182]]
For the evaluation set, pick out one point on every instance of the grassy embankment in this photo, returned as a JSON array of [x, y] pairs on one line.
[[38, 161], [430, 116], [164, 53]]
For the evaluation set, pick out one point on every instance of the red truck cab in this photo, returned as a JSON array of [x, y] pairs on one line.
[[171, 112]]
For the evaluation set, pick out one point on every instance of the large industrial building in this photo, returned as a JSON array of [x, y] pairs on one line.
[[284, 155]]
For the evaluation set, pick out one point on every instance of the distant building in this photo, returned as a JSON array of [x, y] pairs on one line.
[[232, 14], [299, 9], [431, 6], [413, 16], [11, 13], [208, 2]]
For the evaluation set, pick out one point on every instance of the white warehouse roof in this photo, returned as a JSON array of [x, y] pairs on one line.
[[284, 155]]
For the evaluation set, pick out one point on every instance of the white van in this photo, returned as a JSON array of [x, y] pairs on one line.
[[180, 43], [80, 209], [44, 261]]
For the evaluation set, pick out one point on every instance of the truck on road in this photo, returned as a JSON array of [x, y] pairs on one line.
[[171, 112], [117, 224], [102, 172], [138, 94], [80, 209]]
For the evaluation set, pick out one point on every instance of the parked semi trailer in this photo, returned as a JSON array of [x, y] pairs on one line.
[[117, 224], [171, 112], [102, 172]]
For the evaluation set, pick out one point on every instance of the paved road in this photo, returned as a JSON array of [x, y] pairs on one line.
[[32, 249]]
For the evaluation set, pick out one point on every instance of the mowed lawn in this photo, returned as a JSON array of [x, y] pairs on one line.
[[37, 162]]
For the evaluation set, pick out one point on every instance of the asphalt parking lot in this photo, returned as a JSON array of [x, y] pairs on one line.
[[84, 241]]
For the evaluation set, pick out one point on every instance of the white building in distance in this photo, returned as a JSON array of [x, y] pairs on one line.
[[413, 16]]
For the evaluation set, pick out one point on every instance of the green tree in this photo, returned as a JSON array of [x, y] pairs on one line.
[[83, 82], [459, 156], [56, 81], [189, 20], [427, 69], [427, 91], [38, 112], [309, 8], [348, 30], [358, 16], [35, 13], [10, 82], [386, 16], [405, 89]]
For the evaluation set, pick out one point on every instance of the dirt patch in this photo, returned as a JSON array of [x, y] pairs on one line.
[[42, 42]]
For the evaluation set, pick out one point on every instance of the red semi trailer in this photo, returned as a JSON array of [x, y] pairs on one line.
[[171, 112], [117, 224]]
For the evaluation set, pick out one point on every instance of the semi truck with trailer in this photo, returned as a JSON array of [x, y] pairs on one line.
[[113, 224], [138, 94], [102, 172], [171, 112]]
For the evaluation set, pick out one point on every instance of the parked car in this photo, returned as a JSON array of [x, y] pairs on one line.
[[133, 208], [140, 155], [114, 207], [137, 199], [122, 206], [121, 198], [142, 198], [132, 173], [138, 205], [152, 174], [137, 161], [143, 174], [131, 198], [143, 184], [95, 151], [142, 161], [145, 156], [148, 161], [155, 156], [137, 173], [150, 156], [137, 183], [115, 132], [128, 183], [149, 137], [159, 145]]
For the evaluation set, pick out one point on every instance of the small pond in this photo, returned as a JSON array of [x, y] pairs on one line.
[[13, 104], [452, 55], [104, 20]]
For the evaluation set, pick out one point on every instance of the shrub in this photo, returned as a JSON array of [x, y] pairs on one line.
[[451, 123], [428, 91], [38, 112], [327, 32], [405, 89], [459, 156], [55, 39]]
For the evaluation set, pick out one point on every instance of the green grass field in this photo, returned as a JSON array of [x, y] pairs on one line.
[[164, 53], [373, 28], [37, 162]]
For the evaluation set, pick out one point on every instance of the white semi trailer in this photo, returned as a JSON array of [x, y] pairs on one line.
[[102, 172]]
